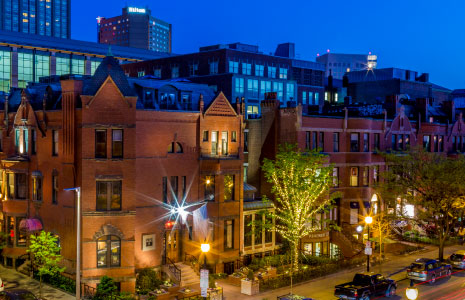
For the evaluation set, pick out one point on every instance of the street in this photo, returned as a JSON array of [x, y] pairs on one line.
[[323, 289]]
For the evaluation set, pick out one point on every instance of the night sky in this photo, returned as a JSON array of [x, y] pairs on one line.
[[424, 35]]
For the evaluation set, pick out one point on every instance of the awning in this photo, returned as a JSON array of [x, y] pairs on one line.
[[249, 188], [30, 225]]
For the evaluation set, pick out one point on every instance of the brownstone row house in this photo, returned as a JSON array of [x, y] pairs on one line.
[[139, 149], [353, 136]]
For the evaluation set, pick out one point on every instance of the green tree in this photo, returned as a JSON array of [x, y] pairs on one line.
[[432, 182], [106, 289], [382, 228], [45, 255], [300, 182]]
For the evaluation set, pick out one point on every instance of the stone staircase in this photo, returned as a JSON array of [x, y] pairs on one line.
[[25, 268], [188, 276]]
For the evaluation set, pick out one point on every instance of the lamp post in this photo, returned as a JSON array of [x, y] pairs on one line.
[[205, 247], [411, 292], [368, 221], [78, 241]]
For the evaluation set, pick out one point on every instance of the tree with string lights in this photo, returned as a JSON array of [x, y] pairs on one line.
[[300, 182]]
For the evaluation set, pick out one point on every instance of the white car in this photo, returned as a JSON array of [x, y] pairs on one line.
[[1, 285]]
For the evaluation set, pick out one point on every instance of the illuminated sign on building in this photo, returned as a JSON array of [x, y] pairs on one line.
[[136, 10]]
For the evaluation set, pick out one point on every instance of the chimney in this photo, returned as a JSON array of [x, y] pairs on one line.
[[345, 81], [238, 106], [449, 108], [422, 107], [392, 103], [243, 106], [201, 104], [6, 113]]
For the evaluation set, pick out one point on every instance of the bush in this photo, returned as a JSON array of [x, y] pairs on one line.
[[106, 289], [147, 280], [219, 275], [307, 274], [59, 281]]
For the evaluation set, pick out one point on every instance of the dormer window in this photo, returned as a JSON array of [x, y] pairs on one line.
[[21, 140]]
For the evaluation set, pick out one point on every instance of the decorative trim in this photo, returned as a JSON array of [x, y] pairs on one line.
[[108, 213], [108, 230]]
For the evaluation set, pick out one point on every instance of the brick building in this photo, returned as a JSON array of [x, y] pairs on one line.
[[241, 70], [138, 148], [352, 136]]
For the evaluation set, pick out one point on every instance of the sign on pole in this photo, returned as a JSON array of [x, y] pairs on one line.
[[368, 244], [203, 282], [368, 251]]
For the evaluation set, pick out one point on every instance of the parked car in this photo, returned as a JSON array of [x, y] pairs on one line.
[[426, 269], [457, 259], [17, 294], [2, 287], [365, 286]]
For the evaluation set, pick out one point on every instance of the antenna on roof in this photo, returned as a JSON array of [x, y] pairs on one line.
[[109, 51]]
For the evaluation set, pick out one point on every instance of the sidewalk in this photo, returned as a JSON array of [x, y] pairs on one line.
[[323, 287], [15, 280]]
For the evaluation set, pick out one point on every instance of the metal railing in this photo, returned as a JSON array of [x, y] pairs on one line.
[[192, 261], [174, 270], [88, 291]]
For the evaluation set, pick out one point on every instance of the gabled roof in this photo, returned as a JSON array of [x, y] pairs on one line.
[[109, 67], [221, 107]]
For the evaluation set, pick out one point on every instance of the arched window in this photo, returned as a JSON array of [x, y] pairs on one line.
[[108, 251], [171, 148], [178, 148], [175, 147]]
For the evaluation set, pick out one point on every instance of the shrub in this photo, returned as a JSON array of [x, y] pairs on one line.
[[219, 275], [147, 280], [106, 289]]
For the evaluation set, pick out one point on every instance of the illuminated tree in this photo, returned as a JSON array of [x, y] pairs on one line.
[[382, 228], [300, 182], [432, 182], [45, 255]]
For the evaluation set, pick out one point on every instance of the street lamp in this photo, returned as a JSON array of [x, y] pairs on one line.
[[411, 292], [368, 221], [78, 241], [205, 247], [359, 229]]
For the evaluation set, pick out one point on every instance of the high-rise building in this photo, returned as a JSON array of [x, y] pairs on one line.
[[43, 17], [337, 64], [135, 28]]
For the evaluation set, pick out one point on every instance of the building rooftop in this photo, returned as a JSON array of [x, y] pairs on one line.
[[45, 43]]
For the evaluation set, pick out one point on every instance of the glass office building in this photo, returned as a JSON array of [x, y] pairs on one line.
[[43, 17], [25, 58]]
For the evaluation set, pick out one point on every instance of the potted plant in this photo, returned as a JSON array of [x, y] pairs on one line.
[[214, 292], [170, 286], [249, 286], [161, 294]]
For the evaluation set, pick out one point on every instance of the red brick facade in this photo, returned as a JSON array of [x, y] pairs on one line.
[[147, 168]]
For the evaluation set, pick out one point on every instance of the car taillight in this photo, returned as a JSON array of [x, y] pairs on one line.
[[424, 272], [355, 294], [409, 270]]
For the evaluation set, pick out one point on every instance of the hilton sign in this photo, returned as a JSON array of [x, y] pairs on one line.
[[136, 10]]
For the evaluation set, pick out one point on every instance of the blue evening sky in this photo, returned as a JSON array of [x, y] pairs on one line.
[[421, 35]]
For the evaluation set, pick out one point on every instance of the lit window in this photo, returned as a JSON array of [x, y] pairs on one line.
[[354, 176], [108, 195], [108, 251]]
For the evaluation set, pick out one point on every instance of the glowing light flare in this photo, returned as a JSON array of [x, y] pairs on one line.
[[205, 247], [368, 220], [411, 293], [359, 228]]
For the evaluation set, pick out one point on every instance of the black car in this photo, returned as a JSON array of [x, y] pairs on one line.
[[17, 294], [365, 286]]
